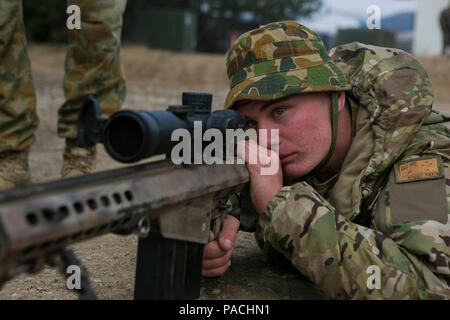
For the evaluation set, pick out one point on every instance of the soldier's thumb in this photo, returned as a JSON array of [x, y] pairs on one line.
[[229, 232]]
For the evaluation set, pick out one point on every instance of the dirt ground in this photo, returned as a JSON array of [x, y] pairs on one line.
[[156, 79]]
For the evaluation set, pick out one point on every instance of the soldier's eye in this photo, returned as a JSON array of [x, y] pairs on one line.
[[279, 111]]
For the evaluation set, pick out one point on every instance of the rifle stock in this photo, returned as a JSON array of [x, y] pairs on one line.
[[176, 202]]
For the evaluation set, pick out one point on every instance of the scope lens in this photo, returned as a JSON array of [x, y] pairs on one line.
[[125, 138]]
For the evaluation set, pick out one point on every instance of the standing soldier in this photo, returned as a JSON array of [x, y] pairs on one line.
[[445, 25], [92, 66]]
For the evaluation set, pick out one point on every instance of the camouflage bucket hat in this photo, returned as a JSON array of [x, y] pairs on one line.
[[277, 60]]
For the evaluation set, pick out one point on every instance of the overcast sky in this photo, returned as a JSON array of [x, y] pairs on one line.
[[358, 8]]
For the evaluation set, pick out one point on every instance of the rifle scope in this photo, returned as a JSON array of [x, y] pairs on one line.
[[132, 135]]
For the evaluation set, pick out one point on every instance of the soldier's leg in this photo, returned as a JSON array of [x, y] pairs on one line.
[[18, 119], [445, 24], [92, 66]]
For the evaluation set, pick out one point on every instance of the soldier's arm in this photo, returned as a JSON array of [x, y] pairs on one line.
[[342, 259]]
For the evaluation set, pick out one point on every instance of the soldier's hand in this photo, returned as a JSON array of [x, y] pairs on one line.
[[217, 253], [266, 175]]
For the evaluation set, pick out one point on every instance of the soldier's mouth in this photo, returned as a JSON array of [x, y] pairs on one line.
[[287, 157]]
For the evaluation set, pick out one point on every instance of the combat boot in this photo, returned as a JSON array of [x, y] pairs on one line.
[[77, 161], [14, 169]]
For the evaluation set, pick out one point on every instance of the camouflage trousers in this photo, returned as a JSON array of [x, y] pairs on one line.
[[92, 66]]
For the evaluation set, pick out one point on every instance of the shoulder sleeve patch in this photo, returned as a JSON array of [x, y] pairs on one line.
[[425, 168], [425, 197]]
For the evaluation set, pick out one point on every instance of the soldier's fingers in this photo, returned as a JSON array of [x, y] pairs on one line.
[[210, 264], [250, 151], [213, 250], [242, 150], [216, 272], [229, 232]]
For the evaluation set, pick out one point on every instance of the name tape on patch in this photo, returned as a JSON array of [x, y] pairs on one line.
[[418, 169]]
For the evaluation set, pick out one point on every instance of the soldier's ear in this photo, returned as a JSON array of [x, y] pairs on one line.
[[341, 101]]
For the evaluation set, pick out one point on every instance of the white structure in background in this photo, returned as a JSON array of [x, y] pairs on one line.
[[330, 22], [427, 30]]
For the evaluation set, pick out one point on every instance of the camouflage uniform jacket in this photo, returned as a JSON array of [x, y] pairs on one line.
[[379, 229]]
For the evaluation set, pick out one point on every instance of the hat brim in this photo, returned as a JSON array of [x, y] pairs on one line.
[[324, 77]]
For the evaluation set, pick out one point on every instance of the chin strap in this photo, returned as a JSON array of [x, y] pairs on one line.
[[334, 129]]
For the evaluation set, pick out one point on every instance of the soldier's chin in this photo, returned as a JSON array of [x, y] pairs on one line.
[[294, 171]]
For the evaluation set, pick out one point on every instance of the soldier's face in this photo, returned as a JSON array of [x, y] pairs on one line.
[[304, 125]]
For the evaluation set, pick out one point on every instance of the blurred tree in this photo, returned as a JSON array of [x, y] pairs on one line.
[[218, 19], [45, 21]]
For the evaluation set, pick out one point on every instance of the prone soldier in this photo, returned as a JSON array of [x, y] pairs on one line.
[[363, 177]]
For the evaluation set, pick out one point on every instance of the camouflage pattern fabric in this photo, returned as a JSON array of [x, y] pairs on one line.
[[93, 62], [395, 90], [18, 119], [335, 237], [335, 253], [277, 60], [92, 66]]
